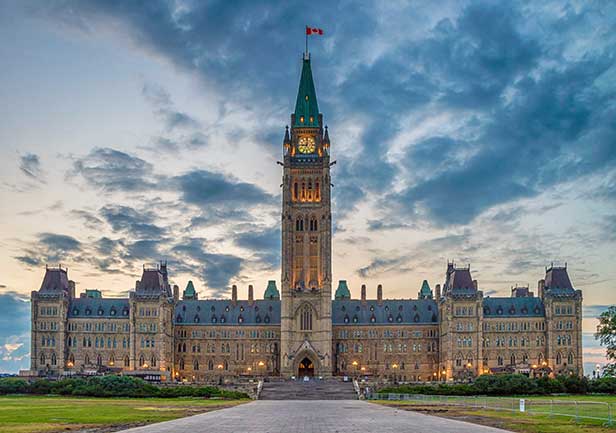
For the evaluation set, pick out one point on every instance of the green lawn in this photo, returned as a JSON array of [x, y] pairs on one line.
[[26, 414], [537, 419]]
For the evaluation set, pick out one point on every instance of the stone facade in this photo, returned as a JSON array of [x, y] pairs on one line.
[[453, 333]]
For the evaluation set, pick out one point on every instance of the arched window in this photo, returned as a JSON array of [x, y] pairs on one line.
[[309, 193], [54, 360], [306, 318], [181, 363], [317, 194], [141, 361], [499, 360], [512, 359], [210, 365], [295, 191], [570, 359], [153, 361], [126, 361], [99, 360], [540, 358], [559, 358], [196, 365], [302, 197], [299, 224], [42, 359], [86, 360], [71, 359], [111, 359]]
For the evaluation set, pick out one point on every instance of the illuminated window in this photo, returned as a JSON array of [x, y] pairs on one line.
[[301, 119]]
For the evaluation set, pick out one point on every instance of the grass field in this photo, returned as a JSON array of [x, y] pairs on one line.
[[27, 414], [537, 420]]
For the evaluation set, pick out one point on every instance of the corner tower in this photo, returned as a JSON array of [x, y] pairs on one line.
[[306, 327]]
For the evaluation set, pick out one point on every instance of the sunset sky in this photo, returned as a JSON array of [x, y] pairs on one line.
[[477, 132]]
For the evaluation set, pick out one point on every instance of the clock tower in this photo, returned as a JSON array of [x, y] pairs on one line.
[[306, 325]]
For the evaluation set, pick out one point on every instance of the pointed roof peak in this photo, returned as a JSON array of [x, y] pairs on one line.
[[306, 106]]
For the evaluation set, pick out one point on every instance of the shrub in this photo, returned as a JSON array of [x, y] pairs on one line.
[[111, 386], [605, 385]]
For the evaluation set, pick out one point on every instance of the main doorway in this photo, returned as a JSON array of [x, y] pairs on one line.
[[306, 368]]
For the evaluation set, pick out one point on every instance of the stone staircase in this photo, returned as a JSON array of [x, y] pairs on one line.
[[315, 389]]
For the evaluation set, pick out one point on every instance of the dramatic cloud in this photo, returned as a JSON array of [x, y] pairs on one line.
[[265, 244], [138, 224], [161, 100], [205, 188], [51, 248]]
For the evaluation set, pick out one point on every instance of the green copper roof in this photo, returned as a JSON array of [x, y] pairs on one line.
[[189, 292], [271, 292], [306, 107], [425, 292], [342, 292], [93, 293]]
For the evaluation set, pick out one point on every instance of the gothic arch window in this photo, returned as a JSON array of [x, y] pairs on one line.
[[306, 318], [141, 361], [512, 359], [570, 358], [499, 361], [54, 360], [302, 197], [126, 361], [86, 360], [559, 358], [295, 191], [182, 364], [317, 193], [309, 193], [99, 360], [153, 361], [299, 224], [111, 359], [196, 365], [210, 365]]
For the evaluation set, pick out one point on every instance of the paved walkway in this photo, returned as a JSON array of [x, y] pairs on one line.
[[335, 416]]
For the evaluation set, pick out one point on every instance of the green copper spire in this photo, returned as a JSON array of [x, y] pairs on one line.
[[271, 292], [190, 292], [342, 292], [306, 107], [425, 292]]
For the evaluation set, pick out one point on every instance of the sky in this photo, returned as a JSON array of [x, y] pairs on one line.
[[133, 132]]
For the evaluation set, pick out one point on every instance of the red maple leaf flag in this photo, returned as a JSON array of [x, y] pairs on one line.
[[313, 31]]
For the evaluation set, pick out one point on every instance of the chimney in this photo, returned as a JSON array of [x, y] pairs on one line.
[[475, 284], [176, 293], [363, 293], [234, 293], [379, 293], [71, 289], [540, 288], [437, 292], [251, 293], [137, 284]]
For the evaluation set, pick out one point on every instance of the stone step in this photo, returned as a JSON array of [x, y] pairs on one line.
[[313, 390]]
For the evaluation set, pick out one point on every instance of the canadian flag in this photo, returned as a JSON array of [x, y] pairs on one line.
[[313, 31]]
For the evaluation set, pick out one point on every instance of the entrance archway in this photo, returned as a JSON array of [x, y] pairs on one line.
[[305, 368]]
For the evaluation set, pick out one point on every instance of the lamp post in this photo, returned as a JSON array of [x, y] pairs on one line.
[[220, 367], [355, 364], [395, 367], [261, 365]]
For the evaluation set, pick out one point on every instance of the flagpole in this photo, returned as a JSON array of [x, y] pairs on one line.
[[306, 32]]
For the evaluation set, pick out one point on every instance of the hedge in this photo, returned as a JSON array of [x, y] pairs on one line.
[[511, 384], [110, 386]]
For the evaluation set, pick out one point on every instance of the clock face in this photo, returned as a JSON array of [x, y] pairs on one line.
[[306, 144]]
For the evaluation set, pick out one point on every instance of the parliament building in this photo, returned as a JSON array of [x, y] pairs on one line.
[[305, 328]]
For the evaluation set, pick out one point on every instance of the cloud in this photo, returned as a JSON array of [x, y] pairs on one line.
[[216, 270], [14, 332], [50, 248], [205, 188], [113, 170], [161, 100], [30, 165], [265, 244], [594, 311], [138, 223], [379, 266]]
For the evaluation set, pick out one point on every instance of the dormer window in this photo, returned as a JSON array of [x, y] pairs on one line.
[[301, 119], [75, 312], [311, 119]]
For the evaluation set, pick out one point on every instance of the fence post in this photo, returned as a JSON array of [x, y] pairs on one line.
[[609, 414], [551, 408], [577, 412]]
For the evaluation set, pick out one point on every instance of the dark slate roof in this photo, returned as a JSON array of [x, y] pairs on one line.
[[461, 279], [392, 311], [227, 312], [557, 278], [513, 307], [99, 307], [154, 282], [55, 281]]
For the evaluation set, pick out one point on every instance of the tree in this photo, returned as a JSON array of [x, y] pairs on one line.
[[606, 334]]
